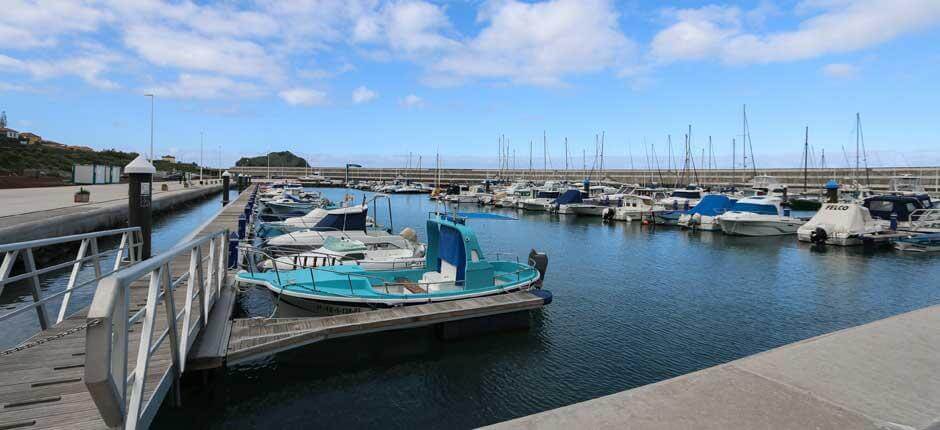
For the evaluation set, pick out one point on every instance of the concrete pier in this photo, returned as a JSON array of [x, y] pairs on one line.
[[881, 375], [35, 213]]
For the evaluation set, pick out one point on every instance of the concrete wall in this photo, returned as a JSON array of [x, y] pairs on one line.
[[879, 177]]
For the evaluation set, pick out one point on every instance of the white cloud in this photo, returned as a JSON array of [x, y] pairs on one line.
[[167, 47], [363, 95], [196, 86], [26, 24], [412, 101], [538, 43], [840, 71], [89, 66], [839, 26], [303, 97]]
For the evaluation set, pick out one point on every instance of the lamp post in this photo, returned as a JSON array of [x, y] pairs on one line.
[[346, 178], [201, 138], [151, 124]]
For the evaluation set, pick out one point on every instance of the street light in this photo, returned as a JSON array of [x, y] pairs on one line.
[[151, 124], [346, 178]]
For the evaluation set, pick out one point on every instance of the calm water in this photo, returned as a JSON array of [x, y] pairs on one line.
[[168, 229], [632, 306]]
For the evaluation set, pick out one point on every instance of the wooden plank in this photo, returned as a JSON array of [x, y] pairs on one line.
[[253, 338]]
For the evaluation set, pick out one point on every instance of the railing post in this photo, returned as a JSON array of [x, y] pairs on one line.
[[30, 265], [177, 352], [82, 250], [207, 293], [9, 259], [143, 350]]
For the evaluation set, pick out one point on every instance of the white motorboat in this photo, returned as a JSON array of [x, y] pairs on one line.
[[759, 216], [683, 198], [841, 224], [632, 208], [343, 251], [764, 185], [704, 216], [345, 218]]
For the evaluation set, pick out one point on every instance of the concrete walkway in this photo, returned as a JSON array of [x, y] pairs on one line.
[[34, 213], [881, 375]]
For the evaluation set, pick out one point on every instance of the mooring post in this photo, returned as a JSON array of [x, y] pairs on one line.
[[139, 211], [225, 184]]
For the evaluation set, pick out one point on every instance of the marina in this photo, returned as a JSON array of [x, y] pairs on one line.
[[497, 214]]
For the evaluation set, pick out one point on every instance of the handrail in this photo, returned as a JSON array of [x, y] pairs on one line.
[[120, 398], [131, 244]]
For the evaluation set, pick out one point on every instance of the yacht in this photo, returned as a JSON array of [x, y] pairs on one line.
[[565, 202], [345, 218], [704, 216], [543, 197], [759, 216], [338, 251], [632, 207], [764, 185]]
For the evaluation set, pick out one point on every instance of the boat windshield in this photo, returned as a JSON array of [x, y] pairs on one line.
[[687, 194], [755, 208]]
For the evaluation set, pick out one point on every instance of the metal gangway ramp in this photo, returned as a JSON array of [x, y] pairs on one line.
[[111, 364]]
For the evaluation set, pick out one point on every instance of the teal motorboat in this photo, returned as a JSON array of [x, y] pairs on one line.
[[455, 268]]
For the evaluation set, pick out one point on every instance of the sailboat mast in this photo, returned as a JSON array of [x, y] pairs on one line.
[[806, 160]]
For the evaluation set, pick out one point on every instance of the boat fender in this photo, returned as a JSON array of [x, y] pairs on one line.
[[539, 261], [819, 236], [408, 234]]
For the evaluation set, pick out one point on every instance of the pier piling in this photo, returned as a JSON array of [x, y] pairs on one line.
[[140, 191]]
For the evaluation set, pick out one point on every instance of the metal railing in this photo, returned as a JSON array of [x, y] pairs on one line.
[[925, 219], [120, 397], [88, 251]]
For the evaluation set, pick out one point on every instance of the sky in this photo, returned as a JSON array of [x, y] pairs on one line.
[[370, 82]]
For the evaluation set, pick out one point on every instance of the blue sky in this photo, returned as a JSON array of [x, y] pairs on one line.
[[369, 81]]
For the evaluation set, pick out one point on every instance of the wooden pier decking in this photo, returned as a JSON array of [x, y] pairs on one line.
[[256, 337], [42, 387]]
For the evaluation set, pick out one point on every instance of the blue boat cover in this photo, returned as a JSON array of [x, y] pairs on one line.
[[570, 196], [451, 250], [712, 205]]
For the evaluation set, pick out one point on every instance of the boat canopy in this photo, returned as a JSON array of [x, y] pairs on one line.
[[456, 245], [568, 197], [712, 205], [883, 206]]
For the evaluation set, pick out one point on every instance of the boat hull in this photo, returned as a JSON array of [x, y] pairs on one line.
[[758, 227]]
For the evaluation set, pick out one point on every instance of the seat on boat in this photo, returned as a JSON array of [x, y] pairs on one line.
[[410, 286]]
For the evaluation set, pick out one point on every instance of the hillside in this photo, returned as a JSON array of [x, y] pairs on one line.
[[49, 162], [280, 159]]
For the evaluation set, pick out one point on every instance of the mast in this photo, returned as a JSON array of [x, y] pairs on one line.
[[806, 160], [734, 155], [544, 155], [566, 158]]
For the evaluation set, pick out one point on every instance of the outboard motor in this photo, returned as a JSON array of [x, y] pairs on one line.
[[608, 214], [819, 236], [539, 261]]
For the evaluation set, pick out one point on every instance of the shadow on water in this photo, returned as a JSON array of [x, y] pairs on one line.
[[168, 229], [631, 306]]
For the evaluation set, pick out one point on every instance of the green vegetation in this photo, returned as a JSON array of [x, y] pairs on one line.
[[14, 158], [279, 159]]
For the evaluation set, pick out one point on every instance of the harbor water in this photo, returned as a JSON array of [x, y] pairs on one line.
[[632, 306]]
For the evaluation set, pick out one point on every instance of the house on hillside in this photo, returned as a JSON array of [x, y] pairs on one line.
[[9, 133], [80, 148], [52, 144], [30, 138], [169, 159]]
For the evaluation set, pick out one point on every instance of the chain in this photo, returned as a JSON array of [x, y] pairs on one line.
[[41, 341]]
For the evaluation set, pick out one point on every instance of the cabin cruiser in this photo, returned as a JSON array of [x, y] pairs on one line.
[[293, 203], [683, 198], [764, 185], [455, 268], [565, 202], [898, 208], [466, 194], [543, 197], [632, 207], [342, 250], [345, 218], [704, 216], [842, 224], [759, 216]]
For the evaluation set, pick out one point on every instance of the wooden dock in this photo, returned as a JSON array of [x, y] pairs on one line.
[[253, 338], [43, 387]]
